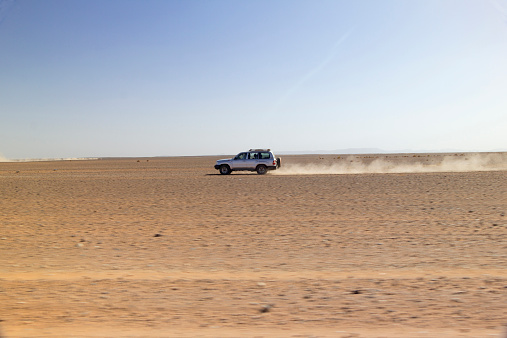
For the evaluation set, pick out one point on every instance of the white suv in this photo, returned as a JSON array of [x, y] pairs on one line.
[[260, 160]]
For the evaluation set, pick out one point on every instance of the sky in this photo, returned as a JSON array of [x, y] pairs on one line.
[[94, 78]]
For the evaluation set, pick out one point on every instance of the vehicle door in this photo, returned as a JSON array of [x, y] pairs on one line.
[[252, 160], [239, 161]]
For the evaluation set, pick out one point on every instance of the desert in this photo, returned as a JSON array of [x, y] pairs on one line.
[[378, 245]]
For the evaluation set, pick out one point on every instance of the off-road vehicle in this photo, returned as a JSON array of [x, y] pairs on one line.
[[260, 160]]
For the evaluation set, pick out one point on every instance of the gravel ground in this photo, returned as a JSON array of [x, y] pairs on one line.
[[167, 247]]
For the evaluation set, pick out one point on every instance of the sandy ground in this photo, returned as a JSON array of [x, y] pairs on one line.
[[166, 247]]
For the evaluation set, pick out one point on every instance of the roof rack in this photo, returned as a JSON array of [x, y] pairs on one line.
[[260, 150]]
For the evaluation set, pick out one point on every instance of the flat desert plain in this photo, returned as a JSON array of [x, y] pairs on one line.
[[400, 245]]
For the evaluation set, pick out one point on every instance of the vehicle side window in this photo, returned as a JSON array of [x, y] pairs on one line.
[[264, 156], [240, 156], [253, 156]]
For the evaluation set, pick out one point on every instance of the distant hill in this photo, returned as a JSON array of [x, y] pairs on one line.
[[354, 151], [336, 151]]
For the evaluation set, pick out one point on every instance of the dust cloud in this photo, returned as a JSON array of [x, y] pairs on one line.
[[3, 159], [413, 163]]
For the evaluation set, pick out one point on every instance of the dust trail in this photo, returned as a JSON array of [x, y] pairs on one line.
[[4, 159], [408, 164]]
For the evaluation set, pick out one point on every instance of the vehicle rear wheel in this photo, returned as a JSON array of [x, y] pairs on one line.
[[262, 169], [224, 169]]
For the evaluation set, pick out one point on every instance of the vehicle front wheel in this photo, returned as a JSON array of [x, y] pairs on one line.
[[262, 169], [224, 169]]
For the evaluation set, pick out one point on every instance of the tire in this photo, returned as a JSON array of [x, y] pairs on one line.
[[225, 169], [261, 169], [278, 162]]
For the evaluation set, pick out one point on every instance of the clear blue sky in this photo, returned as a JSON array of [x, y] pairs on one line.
[[151, 78]]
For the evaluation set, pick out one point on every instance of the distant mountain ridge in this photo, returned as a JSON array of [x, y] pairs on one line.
[[336, 151], [353, 151]]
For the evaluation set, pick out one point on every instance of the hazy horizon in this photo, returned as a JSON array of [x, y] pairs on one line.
[[345, 152], [188, 78]]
